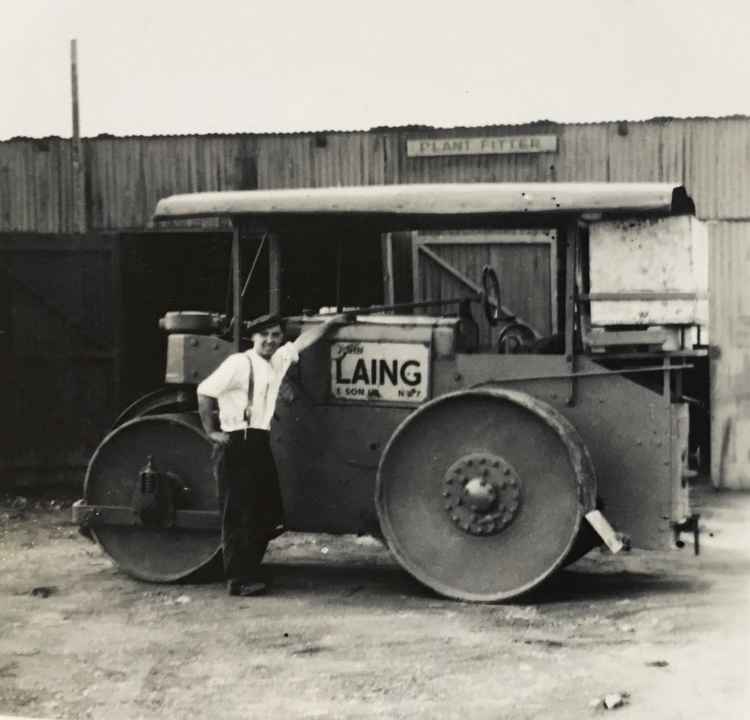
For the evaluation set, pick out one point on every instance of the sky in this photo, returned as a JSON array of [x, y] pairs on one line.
[[225, 66]]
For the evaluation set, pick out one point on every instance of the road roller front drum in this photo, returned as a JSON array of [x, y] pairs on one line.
[[481, 494], [150, 499]]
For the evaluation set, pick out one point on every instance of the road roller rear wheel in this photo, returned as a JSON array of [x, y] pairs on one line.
[[481, 494], [170, 399], [176, 448]]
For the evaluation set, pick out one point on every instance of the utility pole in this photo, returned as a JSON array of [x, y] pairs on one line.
[[78, 169]]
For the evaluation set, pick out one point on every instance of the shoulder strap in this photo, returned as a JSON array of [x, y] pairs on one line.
[[250, 388]]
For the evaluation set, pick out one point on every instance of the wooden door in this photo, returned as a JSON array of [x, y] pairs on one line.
[[59, 353], [448, 264]]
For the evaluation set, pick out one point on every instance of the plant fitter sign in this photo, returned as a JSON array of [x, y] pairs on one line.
[[380, 371], [491, 145]]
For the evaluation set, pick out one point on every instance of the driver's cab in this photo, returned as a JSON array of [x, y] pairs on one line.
[[433, 273], [532, 269], [320, 265]]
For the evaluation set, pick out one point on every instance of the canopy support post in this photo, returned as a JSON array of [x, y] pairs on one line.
[[236, 285]]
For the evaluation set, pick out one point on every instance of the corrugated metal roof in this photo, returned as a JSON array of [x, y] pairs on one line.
[[532, 124]]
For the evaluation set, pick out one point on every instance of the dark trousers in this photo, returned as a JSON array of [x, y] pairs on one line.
[[249, 491]]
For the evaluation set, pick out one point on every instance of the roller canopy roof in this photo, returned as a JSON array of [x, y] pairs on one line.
[[434, 200]]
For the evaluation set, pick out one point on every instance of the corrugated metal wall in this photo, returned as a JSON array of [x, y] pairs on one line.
[[730, 367], [470, 168], [35, 186], [321, 160], [709, 156], [126, 176]]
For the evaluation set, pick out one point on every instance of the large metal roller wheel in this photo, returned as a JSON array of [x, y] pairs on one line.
[[176, 445], [481, 493], [169, 399]]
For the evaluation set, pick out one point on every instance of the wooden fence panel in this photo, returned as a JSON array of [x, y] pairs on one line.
[[59, 353]]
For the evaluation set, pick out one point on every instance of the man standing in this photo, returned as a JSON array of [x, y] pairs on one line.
[[236, 403]]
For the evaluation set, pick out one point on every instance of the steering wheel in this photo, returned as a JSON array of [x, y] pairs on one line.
[[491, 295], [515, 337]]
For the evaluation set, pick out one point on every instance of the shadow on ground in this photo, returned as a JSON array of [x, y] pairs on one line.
[[567, 586]]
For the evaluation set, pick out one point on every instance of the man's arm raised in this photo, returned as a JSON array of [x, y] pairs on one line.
[[311, 336]]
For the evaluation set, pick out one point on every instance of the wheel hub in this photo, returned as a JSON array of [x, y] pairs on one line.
[[482, 493]]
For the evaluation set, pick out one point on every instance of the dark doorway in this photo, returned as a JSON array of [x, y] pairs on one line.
[[186, 271], [58, 354], [310, 259]]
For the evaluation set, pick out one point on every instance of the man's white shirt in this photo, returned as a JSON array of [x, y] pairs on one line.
[[229, 385]]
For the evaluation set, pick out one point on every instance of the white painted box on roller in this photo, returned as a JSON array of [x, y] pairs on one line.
[[662, 257]]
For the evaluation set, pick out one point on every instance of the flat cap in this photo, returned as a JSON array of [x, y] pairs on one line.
[[263, 322]]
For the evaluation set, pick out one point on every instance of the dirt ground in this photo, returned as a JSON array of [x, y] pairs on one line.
[[345, 633]]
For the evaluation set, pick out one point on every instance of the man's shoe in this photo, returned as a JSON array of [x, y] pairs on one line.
[[245, 587]]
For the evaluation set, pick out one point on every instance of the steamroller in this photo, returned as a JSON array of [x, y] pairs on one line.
[[487, 436]]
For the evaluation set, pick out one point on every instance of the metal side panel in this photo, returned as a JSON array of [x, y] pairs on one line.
[[328, 443], [327, 457], [328, 453], [190, 358], [626, 427]]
